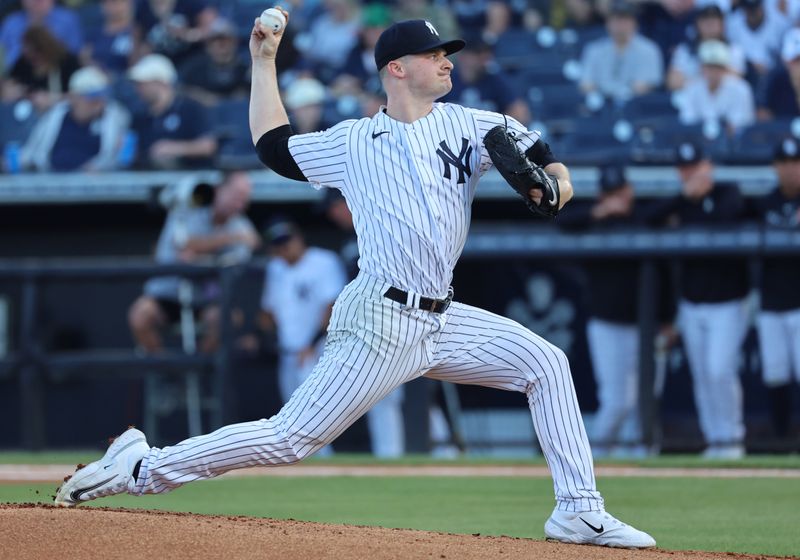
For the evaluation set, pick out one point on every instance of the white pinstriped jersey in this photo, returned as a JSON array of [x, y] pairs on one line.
[[409, 186]]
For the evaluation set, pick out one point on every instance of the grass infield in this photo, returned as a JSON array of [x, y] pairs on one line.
[[749, 515]]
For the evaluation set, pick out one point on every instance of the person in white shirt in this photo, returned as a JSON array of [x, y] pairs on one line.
[[719, 96], [685, 64], [759, 32], [624, 64]]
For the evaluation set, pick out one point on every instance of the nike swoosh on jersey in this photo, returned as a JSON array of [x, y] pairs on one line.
[[376, 134]]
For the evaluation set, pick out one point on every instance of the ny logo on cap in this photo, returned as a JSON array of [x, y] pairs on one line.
[[687, 151], [432, 29], [790, 147]]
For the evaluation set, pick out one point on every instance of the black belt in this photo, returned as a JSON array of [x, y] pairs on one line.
[[428, 304]]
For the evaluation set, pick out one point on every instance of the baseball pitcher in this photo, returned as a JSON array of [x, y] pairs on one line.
[[409, 175]]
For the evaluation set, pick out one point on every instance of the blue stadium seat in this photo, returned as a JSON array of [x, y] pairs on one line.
[[655, 139], [516, 48], [16, 121], [595, 141], [755, 144], [555, 102], [232, 127], [543, 70], [653, 104]]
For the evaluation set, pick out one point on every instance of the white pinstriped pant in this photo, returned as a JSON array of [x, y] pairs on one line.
[[374, 345]]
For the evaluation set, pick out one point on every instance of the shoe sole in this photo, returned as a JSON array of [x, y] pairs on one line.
[[553, 533]]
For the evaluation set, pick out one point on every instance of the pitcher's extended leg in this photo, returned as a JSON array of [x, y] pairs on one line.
[[480, 348]]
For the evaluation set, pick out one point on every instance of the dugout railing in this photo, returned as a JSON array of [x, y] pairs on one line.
[[33, 365]]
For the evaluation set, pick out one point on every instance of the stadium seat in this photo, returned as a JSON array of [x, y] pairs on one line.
[[16, 121], [232, 127], [755, 144], [595, 141], [655, 138], [516, 48], [653, 104], [556, 102]]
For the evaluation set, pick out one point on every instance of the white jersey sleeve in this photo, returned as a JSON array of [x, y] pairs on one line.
[[322, 156], [486, 120]]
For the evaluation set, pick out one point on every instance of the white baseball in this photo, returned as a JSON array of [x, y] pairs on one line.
[[273, 18]]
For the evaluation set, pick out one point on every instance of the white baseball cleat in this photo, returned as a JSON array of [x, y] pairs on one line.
[[109, 475], [595, 527]]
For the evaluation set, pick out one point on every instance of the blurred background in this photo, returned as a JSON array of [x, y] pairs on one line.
[[139, 226]]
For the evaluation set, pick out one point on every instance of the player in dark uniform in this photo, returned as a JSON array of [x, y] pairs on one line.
[[712, 312], [779, 317], [612, 332]]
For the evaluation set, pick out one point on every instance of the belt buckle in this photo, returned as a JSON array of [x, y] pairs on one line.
[[433, 305]]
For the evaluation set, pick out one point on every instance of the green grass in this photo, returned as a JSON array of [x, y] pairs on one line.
[[676, 461], [758, 516]]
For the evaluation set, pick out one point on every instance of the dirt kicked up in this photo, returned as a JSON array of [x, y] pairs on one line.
[[33, 531]]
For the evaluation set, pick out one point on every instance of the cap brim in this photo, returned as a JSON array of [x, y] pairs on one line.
[[450, 47]]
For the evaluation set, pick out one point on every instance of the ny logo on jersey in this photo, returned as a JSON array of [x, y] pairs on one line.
[[461, 162]]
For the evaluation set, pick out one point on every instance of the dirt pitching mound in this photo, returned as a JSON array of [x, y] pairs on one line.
[[34, 531]]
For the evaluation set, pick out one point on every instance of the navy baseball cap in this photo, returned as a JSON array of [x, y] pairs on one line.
[[612, 177], [787, 149], [689, 152], [279, 231], [414, 36]]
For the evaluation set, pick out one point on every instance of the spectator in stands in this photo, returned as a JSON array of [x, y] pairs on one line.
[[719, 96], [685, 63], [43, 70], [759, 33], [218, 72], [780, 95], [712, 312], [359, 72], [84, 132], [331, 38], [479, 82], [624, 64], [304, 99], [205, 233], [175, 28], [113, 45], [176, 131], [779, 318], [61, 22], [583, 15], [437, 14], [667, 23]]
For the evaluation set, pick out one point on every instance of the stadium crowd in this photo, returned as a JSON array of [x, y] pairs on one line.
[[155, 84], [163, 84]]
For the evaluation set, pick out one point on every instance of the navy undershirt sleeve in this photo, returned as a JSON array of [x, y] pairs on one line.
[[273, 151], [540, 154]]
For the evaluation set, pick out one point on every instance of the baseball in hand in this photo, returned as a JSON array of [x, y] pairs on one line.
[[273, 18]]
